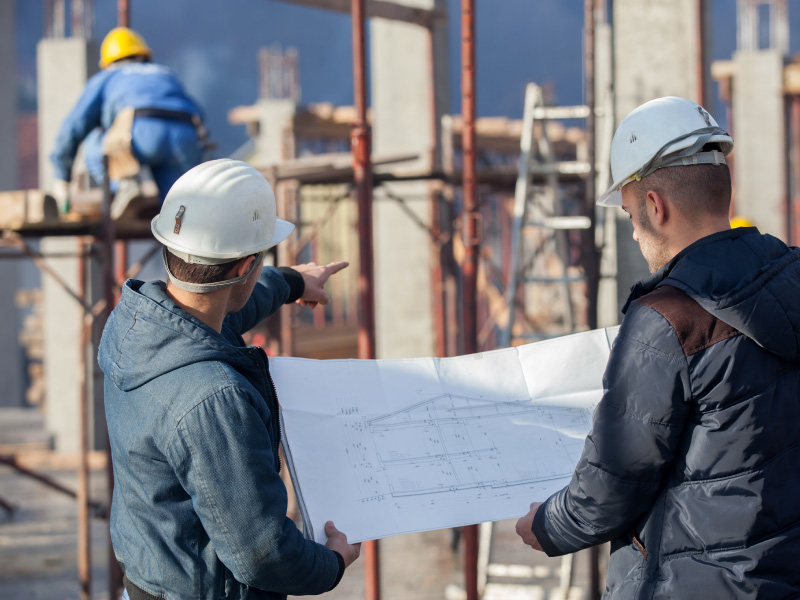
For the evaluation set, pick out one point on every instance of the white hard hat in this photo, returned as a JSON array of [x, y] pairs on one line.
[[664, 132], [219, 211]]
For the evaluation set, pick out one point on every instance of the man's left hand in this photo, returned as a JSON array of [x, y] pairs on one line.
[[315, 276], [525, 525]]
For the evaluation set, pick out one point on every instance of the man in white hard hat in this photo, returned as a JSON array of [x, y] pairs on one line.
[[691, 466], [199, 508]]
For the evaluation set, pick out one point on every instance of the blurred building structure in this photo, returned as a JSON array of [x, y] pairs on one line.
[[760, 86], [649, 49]]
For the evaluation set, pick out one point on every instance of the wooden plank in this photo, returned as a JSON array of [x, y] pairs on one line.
[[25, 206], [791, 79], [723, 69], [381, 9]]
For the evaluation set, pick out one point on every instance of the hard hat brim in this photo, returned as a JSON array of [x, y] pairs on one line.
[[283, 229], [612, 198]]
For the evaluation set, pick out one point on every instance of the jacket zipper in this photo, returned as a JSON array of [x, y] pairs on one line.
[[276, 409]]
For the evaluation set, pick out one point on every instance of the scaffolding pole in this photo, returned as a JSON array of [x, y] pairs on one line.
[[701, 53], [471, 237], [84, 525], [362, 178], [109, 233], [592, 253], [123, 13]]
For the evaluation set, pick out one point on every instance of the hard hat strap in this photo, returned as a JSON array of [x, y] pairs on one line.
[[204, 288], [703, 136], [714, 157]]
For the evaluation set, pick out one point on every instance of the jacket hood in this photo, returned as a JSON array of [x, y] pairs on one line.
[[148, 335], [748, 280]]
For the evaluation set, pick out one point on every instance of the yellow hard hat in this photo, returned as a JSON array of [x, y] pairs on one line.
[[120, 43], [739, 221]]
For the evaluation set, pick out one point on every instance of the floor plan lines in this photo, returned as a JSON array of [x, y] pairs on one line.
[[451, 443]]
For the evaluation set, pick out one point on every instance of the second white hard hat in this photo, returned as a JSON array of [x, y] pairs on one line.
[[662, 133], [219, 211]]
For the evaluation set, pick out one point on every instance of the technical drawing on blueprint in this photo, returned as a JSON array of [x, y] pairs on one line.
[[451, 443], [394, 446]]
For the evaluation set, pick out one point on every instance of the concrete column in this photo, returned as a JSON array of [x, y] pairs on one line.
[[275, 141], [63, 66], [759, 120], [655, 54], [62, 334], [63, 319], [408, 101]]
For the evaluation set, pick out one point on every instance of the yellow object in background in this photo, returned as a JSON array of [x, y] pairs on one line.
[[739, 221], [120, 43]]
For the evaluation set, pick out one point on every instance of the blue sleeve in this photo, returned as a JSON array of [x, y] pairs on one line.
[[82, 119], [275, 288], [635, 435], [222, 454]]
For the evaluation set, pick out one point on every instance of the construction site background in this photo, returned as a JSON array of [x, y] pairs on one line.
[[277, 83]]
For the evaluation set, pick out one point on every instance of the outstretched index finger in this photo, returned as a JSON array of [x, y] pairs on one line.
[[335, 267]]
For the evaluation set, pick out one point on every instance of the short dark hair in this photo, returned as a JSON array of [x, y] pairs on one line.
[[697, 190], [194, 273]]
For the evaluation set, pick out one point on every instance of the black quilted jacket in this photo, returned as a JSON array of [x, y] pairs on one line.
[[692, 467]]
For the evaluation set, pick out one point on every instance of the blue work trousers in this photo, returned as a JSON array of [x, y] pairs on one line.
[[168, 147]]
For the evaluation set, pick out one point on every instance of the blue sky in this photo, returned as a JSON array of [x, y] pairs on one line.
[[213, 47]]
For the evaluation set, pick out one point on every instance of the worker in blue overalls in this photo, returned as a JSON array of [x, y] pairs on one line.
[[135, 112]]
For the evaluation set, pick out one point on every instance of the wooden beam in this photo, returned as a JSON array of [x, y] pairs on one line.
[[381, 9], [791, 79]]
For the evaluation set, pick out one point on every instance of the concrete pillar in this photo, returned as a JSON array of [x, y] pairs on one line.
[[275, 141], [655, 54], [63, 320], [63, 66], [759, 120], [408, 102]]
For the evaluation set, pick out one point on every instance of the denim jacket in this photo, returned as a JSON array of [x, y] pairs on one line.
[[199, 509]]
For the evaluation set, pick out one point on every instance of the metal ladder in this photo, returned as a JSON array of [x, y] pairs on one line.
[[522, 581], [539, 242]]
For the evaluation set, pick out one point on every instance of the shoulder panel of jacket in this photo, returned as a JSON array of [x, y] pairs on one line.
[[696, 328]]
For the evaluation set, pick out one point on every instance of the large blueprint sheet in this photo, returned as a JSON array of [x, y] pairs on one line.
[[384, 447]]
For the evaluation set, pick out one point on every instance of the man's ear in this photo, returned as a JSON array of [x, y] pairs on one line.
[[243, 266], [657, 208]]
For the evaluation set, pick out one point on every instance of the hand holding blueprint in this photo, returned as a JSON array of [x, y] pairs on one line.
[[384, 447]]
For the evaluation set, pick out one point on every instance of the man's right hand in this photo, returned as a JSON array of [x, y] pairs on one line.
[[60, 193], [337, 541], [314, 277]]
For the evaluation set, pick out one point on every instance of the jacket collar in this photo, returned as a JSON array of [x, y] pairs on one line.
[[648, 284]]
